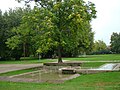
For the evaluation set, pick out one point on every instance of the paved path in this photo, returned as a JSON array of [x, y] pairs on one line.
[[12, 67]]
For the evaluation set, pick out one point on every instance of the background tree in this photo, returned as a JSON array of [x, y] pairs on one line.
[[2, 53], [61, 23], [10, 19], [99, 47], [20, 39], [115, 42]]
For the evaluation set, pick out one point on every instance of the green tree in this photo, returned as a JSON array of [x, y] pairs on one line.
[[2, 53], [20, 40], [9, 19], [115, 42], [61, 23], [99, 46]]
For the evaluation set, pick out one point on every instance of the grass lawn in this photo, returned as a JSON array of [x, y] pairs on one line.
[[33, 61], [17, 72], [101, 81], [106, 57], [92, 64]]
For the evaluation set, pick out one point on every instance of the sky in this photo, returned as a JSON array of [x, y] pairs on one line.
[[107, 21]]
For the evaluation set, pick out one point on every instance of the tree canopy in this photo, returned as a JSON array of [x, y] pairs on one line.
[[8, 20], [115, 42], [99, 45], [60, 24]]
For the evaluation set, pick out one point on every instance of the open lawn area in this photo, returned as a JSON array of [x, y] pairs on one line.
[[43, 45], [101, 81], [27, 61], [106, 57]]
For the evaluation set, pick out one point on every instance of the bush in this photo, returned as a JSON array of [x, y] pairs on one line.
[[102, 52]]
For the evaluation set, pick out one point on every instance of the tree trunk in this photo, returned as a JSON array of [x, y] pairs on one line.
[[24, 49], [59, 54]]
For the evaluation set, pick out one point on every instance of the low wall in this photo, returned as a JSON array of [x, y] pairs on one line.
[[63, 64], [88, 71]]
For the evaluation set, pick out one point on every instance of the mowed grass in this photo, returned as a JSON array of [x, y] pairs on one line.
[[29, 61], [17, 72], [101, 81], [92, 64], [105, 57]]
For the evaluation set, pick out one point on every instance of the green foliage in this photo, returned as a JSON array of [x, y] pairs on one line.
[[100, 47], [61, 24], [9, 19], [20, 38], [13, 42], [115, 42]]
